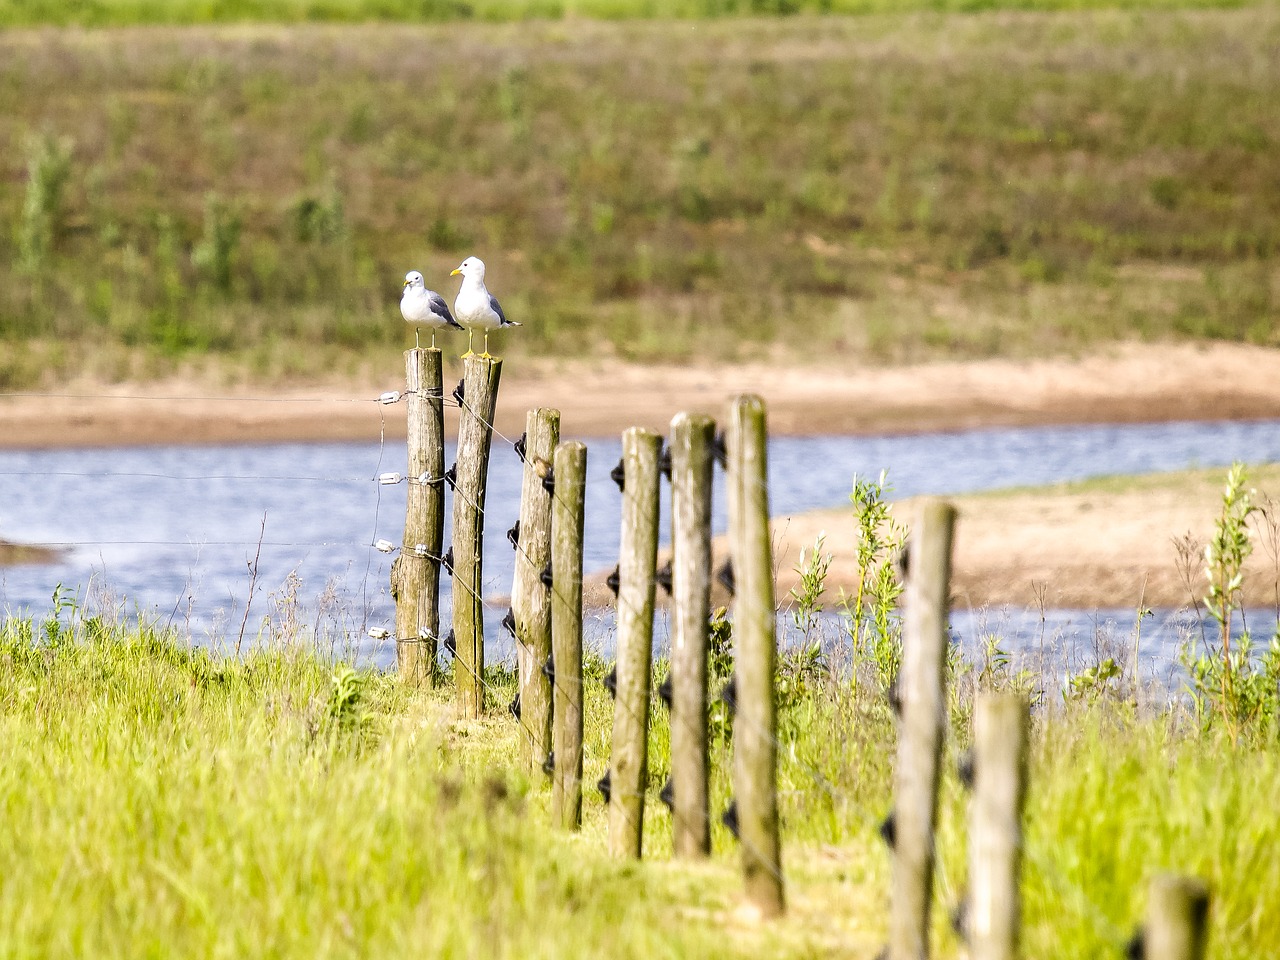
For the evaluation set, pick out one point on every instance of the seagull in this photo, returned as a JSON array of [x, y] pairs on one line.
[[425, 308], [476, 308]]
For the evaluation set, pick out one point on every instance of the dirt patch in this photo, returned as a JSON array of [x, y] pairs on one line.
[[1082, 546], [13, 554], [1132, 383]]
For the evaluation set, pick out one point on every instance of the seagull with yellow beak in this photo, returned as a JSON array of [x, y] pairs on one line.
[[476, 308], [425, 308]]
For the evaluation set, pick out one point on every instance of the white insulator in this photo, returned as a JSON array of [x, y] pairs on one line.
[[391, 396], [379, 633], [386, 546], [389, 478]]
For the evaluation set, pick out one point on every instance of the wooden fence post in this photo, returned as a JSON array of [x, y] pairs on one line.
[[530, 598], [994, 913], [628, 762], [475, 431], [924, 648], [691, 468], [755, 761], [570, 468], [415, 575], [1177, 919]]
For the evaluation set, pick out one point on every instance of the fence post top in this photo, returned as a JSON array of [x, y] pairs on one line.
[[694, 420], [641, 433]]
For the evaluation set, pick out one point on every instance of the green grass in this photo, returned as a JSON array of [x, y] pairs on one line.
[[161, 800], [100, 13], [246, 200]]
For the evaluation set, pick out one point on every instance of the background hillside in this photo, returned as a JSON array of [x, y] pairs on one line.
[[868, 189]]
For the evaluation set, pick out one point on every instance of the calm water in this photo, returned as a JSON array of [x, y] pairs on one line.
[[172, 531]]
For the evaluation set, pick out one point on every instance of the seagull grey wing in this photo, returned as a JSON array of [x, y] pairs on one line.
[[502, 317], [441, 309]]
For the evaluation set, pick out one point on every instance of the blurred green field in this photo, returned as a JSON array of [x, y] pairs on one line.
[[245, 200], [97, 13]]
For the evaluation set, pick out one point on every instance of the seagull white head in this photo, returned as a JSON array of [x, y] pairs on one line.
[[470, 267], [413, 279]]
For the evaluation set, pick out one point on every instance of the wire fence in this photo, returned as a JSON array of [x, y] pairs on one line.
[[377, 544]]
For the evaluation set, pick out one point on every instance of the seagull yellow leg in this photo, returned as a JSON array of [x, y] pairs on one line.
[[416, 344], [485, 355], [470, 347]]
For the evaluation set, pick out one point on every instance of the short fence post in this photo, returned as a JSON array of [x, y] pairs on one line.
[[415, 575], [755, 760], [628, 761], [569, 475], [993, 917], [924, 648], [530, 599], [1177, 919], [691, 468], [475, 431]]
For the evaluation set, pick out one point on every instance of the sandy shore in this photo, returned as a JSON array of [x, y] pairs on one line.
[[1130, 383], [1062, 549]]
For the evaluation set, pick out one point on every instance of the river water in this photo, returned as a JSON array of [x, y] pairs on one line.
[[172, 533]]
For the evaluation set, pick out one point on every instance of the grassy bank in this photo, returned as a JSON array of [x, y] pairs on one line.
[[883, 188], [162, 800]]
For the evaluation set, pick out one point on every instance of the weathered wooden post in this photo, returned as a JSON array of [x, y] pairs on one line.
[[475, 431], [755, 761], [924, 647], [628, 761], [691, 468], [530, 598], [1177, 919], [570, 469], [415, 575], [994, 913]]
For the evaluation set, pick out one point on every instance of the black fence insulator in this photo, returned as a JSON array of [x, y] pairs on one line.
[[664, 461], [451, 644], [729, 695], [522, 445], [514, 707], [889, 830], [902, 561], [664, 691], [513, 535], [730, 819], [894, 696], [605, 786], [1136, 948], [451, 477], [545, 576], [663, 577], [668, 794], [960, 918], [720, 450], [611, 682], [619, 476], [614, 580], [549, 764], [509, 621], [549, 669], [460, 391], [447, 560], [724, 576], [549, 481], [964, 768]]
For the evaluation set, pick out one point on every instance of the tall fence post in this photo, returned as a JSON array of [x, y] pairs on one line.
[[475, 431], [755, 761], [994, 914], [1177, 919], [530, 598], [628, 761], [924, 646], [691, 468], [415, 575], [569, 474]]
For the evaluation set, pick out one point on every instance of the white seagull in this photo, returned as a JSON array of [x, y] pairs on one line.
[[475, 307], [425, 308]]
